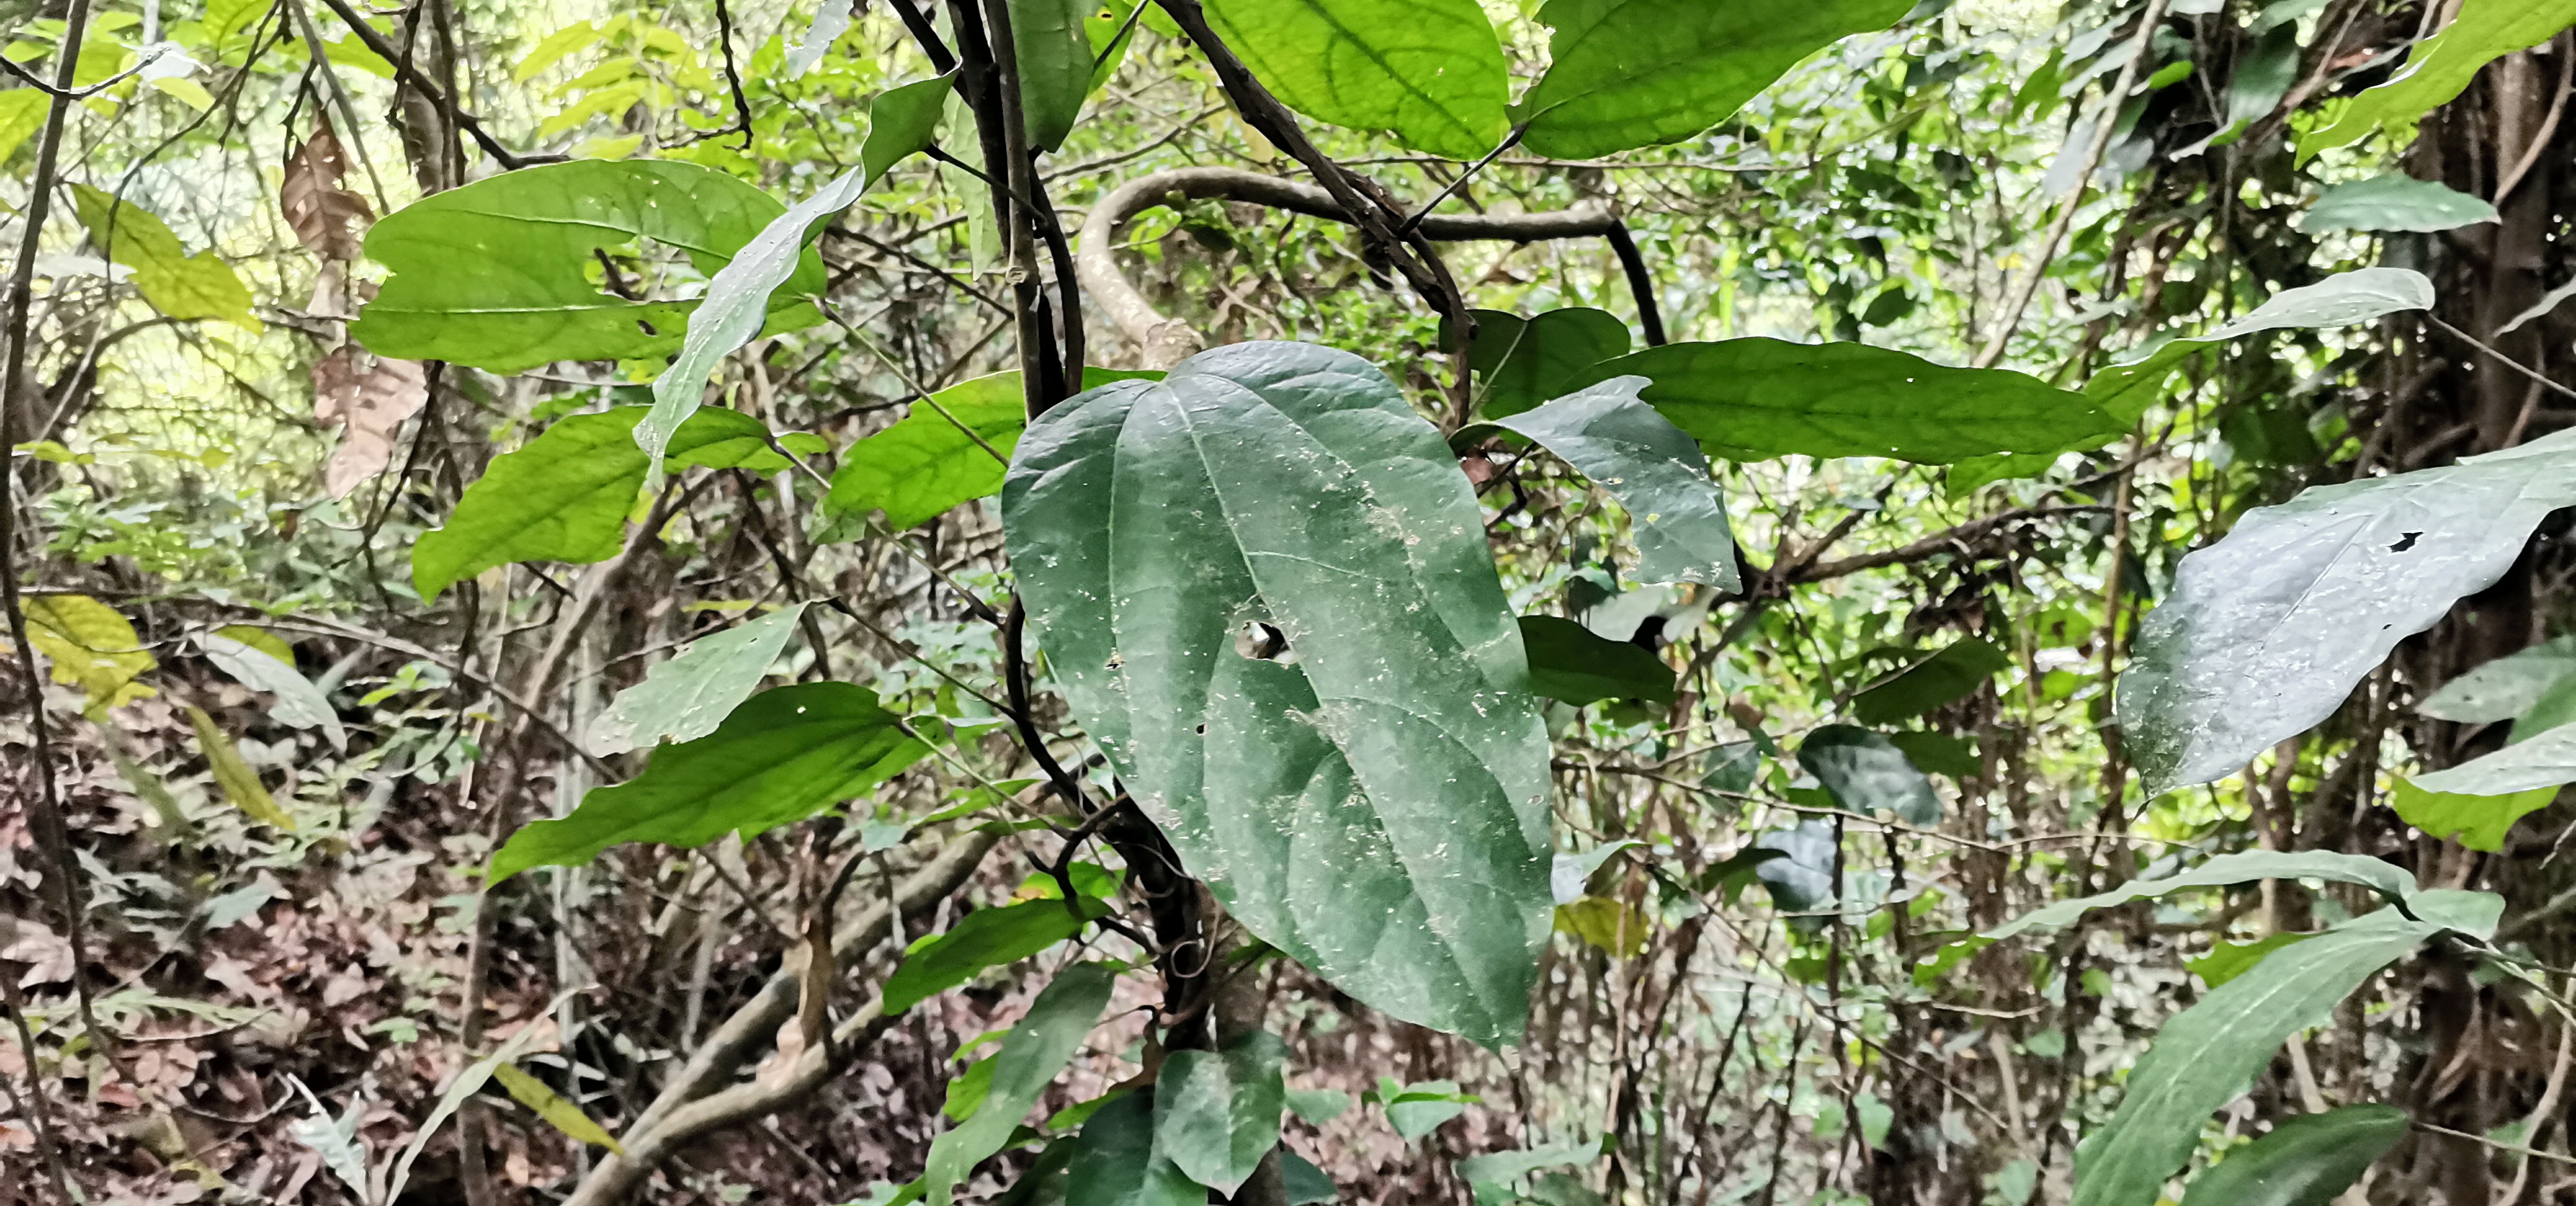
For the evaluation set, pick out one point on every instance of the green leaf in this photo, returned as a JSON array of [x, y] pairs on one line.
[[781, 757], [1940, 753], [2479, 822], [902, 121], [238, 779], [1753, 399], [1115, 1164], [2210, 1053], [1957, 670], [565, 496], [2441, 67], [1216, 1113], [2265, 633], [2386, 878], [1307, 1184], [1318, 1106], [981, 939], [1037, 1048], [2228, 960], [2547, 760], [558, 1112], [927, 462], [1500, 1169], [1429, 72], [1416, 1110], [966, 1094], [91, 646], [2261, 79], [1568, 873], [1865, 773], [1610, 925], [1055, 57], [1384, 781], [176, 283], [1522, 362], [502, 274], [686, 697], [1802, 878], [2128, 390], [1655, 471], [1634, 73], [2395, 201], [22, 113], [2307, 1160], [1976, 473], [299, 702], [1571, 665], [2505, 688], [2556, 706]]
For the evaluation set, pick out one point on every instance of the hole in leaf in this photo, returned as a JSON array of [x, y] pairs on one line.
[[2404, 542], [1262, 641]]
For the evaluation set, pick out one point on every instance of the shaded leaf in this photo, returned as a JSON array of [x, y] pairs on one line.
[[2479, 822], [500, 274], [1429, 72], [2210, 1053], [1568, 873], [1571, 665], [1318, 1106], [1958, 669], [176, 283], [2265, 633], [686, 697], [928, 462], [1978, 472], [1802, 879], [1055, 56], [1866, 774], [781, 757], [1634, 73], [1657, 473], [2386, 878], [981, 939], [1384, 778], [1306, 1184], [1940, 753], [368, 398], [299, 702], [559, 1112], [2307, 1160], [1753, 399], [1115, 1164], [90, 646], [2505, 688], [1500, 1169], [2127, 390], [1522, 362], [2556, 706], [902, 121], [1416, 1110], [2440, 68], [2395, 201], [1043, 1042], [240, 783], [2228, 960], [1216, 1113]]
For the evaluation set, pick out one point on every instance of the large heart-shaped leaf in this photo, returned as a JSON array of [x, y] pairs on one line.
[[2266, 632], [1430, 72], [781, 757], [2208, 1054], [1216, 1113], [2126, 391], [1753, 399], [503, 274], [1634, 73], [2440, 68], [2302, 1161], [1637, 456], [1372, 800]]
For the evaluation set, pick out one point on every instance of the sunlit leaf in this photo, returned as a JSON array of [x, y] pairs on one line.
[[2228, 960], [89, 646], [22, 114], [949, 450], [239, 783], [559, 1112], [1429, 72], [177, 283], [2479, 822], [831, 20], [299, 702], [2440, 68], [1609, 925]]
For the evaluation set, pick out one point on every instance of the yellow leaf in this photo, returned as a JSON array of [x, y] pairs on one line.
[[90, 646], [240, 783], [551, 1106], [260, 639], [1612, 925], [189, 92], [176, 283], [22, 113]]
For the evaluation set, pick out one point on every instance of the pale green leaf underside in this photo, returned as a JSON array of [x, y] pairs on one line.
[[1653, 468], [1430, 72], [2341, 300], [686, 697], [1377, 805], [2395, 201], [2504, 688], [2386, 878], [2547, 760]]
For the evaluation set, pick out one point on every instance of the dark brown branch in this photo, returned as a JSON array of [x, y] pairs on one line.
[[438, 96]]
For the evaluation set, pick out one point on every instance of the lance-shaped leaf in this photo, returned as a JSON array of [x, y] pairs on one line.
[[1429, 72], [2228, 960], [504, 273], [831, 20], [1634, 73], [1655, 471], [1216, 1113], [686, 697], [1115, 1162], [2386, 878], [2208, 1054], [239, 781], [902, 121], [2126, 391], [1753, 399], [1501, 1169], [2395, 201], [1865, 773], [2479, 822], [781, 757], [1521, 362], [2440, 68], [2307, 1160], [559, 1111], [1037, 1048], [951, 449], [566, 495], [1569, 664], [2266, 632], [2505, 688], [984, 938], [1373, 798], [1055, 56], [2547, 760], [1958, 669], [299, 702], [176, 283]]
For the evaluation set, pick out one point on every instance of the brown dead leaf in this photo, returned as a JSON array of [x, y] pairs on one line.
[[328, 219], [48, 955], [369, 405]]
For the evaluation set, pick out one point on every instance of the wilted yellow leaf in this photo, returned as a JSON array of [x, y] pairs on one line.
[[563, 1115], [239, 782], [90, 646]]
